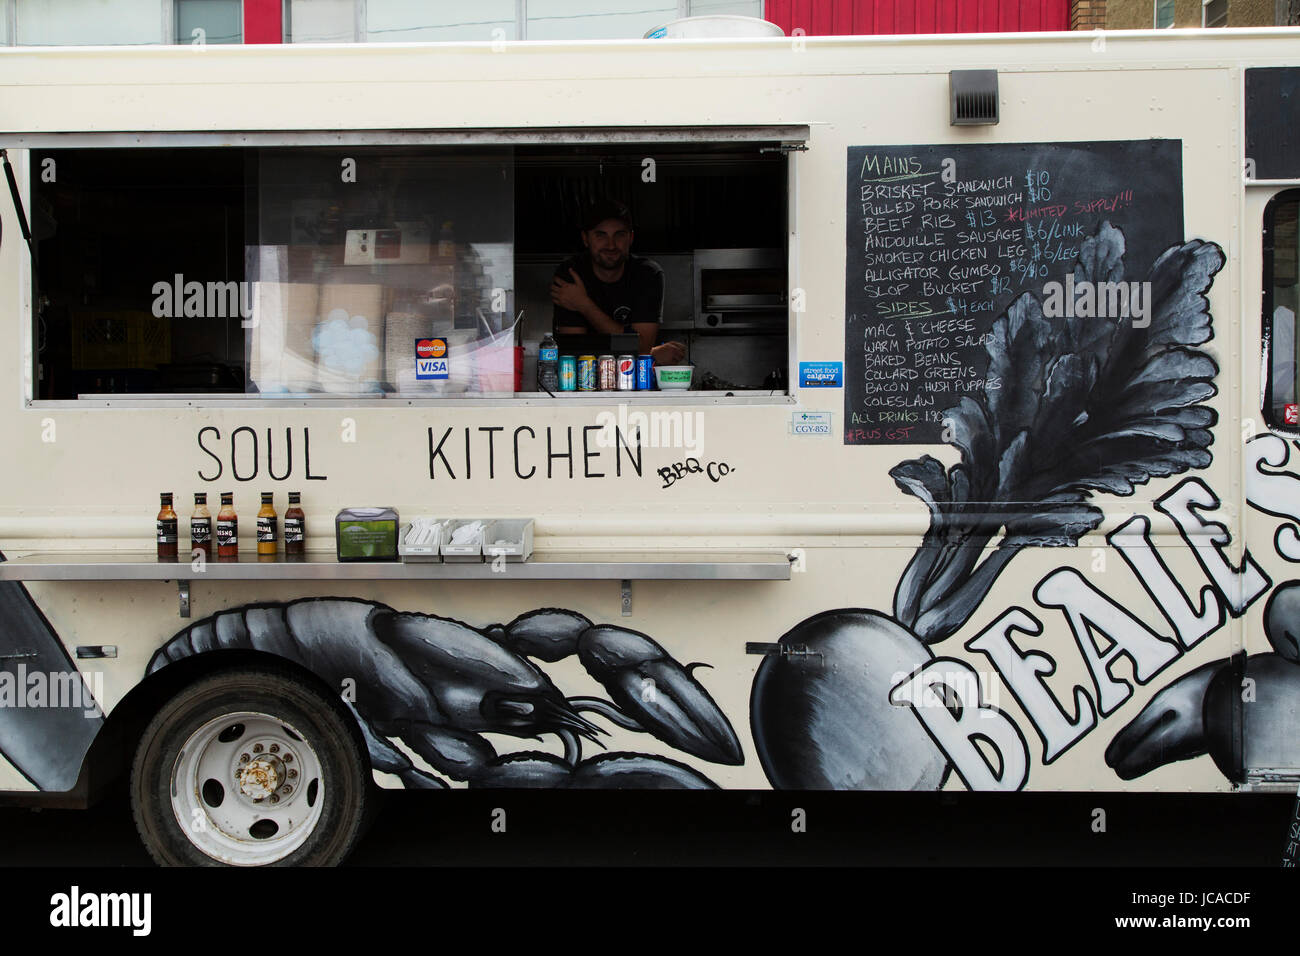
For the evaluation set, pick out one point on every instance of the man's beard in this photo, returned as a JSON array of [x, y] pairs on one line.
[[609, 260]]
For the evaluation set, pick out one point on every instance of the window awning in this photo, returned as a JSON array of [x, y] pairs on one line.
[[560, 136]]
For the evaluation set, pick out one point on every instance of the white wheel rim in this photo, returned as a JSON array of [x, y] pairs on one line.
[[247, 789]]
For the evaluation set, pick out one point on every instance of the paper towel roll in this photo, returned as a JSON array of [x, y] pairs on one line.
[[348, 336]]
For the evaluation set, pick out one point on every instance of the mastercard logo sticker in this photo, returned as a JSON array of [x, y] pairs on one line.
[[430, 348]]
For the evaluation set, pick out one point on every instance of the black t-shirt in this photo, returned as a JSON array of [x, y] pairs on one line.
[[636, 297]]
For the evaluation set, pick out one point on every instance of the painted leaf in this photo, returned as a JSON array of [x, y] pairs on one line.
[[1082, 405]]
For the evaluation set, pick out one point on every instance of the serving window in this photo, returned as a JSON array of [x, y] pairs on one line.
[[411, 270]]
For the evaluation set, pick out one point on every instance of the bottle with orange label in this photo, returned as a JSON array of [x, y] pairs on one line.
[[227, 527]]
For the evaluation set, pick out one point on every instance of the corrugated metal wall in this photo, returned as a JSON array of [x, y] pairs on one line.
[[840, 17]]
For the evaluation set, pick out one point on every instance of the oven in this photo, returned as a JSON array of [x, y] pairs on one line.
[[740, 289]]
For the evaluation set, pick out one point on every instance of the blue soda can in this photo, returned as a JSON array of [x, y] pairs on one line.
[[568, 373], [645, 372]]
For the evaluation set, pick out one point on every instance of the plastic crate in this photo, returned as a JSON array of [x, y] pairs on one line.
[[103, 339], [431, 552], [516, 535], [462, 552]]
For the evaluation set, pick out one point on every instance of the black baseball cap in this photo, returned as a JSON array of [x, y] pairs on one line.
[[603, 209]]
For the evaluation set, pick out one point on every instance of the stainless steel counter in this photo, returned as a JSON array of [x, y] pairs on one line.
[[542, 566]]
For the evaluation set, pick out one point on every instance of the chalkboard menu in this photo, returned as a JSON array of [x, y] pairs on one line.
[[941, 239]]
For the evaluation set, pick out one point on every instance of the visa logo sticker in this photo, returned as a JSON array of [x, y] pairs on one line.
[[821, 374], [430, 358], [810, 423]]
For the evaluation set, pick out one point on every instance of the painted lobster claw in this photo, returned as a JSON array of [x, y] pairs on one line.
[[477, 684], [549, 634], [661, 695], [1195, 715], [435, 685], [1171, 727]]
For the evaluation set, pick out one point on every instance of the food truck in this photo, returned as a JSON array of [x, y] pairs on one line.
[[987, 476]]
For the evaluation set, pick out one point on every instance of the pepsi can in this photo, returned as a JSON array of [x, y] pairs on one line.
[[645, 372], [626, 373], [568, 373]]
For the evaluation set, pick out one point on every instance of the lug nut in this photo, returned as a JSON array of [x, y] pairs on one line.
[[244, 758], [292, 774], [275, 748], [286, 789], [275, 798], [257, 748], [288, 758]]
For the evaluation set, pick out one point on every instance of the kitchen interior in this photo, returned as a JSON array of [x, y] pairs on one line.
[[459, 242], [713, 216]]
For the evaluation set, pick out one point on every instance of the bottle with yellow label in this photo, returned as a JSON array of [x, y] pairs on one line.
[[267, 526]]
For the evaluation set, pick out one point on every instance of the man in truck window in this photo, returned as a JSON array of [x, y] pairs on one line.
[[606, 290]]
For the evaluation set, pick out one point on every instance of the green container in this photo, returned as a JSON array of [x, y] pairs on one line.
[[673, 376], [366, 534]]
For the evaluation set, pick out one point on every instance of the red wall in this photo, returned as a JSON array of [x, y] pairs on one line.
[[262, 21], [262, 18], [838, 17]]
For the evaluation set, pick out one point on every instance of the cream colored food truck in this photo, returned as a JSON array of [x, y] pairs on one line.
[[988, 477]]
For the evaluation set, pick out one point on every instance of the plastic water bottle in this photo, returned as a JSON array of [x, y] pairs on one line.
[[548, 362]]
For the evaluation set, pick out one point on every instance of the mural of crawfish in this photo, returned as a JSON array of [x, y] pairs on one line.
[[437, 684]]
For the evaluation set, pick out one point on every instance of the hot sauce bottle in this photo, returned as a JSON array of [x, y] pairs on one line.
[[201, 526], [227, 527], [294, 526], [166, 528], [267, 536]]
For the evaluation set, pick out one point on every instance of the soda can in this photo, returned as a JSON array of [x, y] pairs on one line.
[[608, 375], [586, 373], [568, 373], [645, 372], [626, 373]]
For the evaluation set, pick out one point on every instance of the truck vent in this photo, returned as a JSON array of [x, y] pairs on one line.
[[974, 97]]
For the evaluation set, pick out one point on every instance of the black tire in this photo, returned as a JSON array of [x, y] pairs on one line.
[[328, 743]]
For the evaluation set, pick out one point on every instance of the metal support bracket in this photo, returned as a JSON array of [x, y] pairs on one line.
[[184, 588], [626, 592], [783, 650]]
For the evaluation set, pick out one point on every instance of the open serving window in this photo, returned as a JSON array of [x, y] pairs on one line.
[[333, 266]]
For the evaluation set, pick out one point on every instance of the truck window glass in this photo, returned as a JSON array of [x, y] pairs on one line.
[[387, 271], [1282, 398]]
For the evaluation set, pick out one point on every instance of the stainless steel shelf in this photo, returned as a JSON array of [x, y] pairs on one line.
[[542, 566]]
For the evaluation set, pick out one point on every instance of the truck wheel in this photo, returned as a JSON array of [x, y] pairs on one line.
[[249, 768]]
